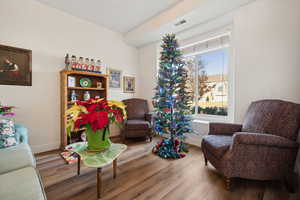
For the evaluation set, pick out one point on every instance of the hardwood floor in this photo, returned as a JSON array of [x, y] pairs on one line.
[[142, 175]]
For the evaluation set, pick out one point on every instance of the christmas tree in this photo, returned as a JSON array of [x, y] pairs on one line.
[[171, 101]]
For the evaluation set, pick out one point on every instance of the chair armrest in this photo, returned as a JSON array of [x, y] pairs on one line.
[[263, 140], [22, 134], [148, 117], [224, 128]]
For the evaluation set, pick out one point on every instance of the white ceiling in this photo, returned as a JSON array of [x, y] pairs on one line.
[[146, 21], [118, 15], [201, 16]]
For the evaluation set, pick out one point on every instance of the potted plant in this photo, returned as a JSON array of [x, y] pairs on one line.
[[95, 115]]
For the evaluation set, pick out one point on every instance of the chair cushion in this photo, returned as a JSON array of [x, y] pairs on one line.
[[217, 144], [7, 133], [137, 124], [21, 184], [16, 157]]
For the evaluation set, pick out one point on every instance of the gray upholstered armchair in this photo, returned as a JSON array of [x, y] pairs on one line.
[[138, 123], [262, 148]]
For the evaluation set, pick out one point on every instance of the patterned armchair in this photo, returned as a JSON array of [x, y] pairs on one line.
[[138, 123], [262, 148]]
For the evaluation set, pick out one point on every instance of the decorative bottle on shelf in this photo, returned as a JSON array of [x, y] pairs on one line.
[[92, 66], [73, 62], [86, 65], [86, 96], [96, 69], [98, 66], [73, 96], [67, 62], [80, 64]]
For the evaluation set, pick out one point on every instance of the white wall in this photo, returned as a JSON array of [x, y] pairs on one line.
[[266, 41], [147, 71], [50, 34]]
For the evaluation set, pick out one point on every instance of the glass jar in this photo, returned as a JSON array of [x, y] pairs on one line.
[[92, 65], [73, 62], [86, 96], [80, 64], [86, 65]]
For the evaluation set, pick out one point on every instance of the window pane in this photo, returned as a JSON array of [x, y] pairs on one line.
[[191, 83], [212, 71]]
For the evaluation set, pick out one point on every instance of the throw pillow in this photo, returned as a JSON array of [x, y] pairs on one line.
[[7, 133]]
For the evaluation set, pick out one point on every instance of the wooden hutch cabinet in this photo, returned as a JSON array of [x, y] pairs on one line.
[[99, 87]]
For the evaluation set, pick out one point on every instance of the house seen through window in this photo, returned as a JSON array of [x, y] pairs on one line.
[[207, 64]]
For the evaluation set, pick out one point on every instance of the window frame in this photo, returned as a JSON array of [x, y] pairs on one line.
[[230, 109]]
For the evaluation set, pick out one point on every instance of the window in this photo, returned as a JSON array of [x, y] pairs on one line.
[[207, 63], [220, 88]]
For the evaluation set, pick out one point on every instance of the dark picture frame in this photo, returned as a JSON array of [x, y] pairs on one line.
[[15, 66]]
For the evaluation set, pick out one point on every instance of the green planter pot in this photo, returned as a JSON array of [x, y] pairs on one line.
[[98, 140]]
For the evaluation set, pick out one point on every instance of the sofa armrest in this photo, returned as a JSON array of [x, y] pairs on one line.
[[263, 140], [224, 128], [16, 157], [22, 134]]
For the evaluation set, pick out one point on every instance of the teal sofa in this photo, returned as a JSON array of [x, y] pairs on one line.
[[18, 174]]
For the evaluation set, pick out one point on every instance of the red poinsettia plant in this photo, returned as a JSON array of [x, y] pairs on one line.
[[96, 113]]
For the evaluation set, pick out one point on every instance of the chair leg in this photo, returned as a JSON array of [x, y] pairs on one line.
[[150, 137], [205, 160], [228, 184]]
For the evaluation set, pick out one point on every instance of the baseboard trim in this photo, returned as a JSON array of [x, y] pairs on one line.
[[193, 139], [45, 147], [41, 148]]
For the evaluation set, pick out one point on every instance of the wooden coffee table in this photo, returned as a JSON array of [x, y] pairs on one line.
[[97, 159]]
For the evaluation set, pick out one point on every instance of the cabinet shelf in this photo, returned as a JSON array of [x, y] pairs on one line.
[[89, 74], [83, 88]]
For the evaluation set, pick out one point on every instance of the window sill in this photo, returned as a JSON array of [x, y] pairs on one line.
[[210, 118]]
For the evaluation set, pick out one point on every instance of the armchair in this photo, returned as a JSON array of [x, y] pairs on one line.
[[139, 120], [264, 147]]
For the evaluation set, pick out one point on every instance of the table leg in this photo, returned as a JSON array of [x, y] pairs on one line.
[[115, 168], [78, 164], [99, 183]]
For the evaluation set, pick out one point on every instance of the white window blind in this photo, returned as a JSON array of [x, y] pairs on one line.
[[207, 45]]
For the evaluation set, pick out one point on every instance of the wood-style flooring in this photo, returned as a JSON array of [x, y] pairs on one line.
[[142, 175]]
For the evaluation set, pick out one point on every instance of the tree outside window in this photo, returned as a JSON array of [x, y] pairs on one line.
[[208, 82]]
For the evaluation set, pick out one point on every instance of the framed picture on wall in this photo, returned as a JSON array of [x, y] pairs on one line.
[[129, 84], [115, 77], [15, 66]]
